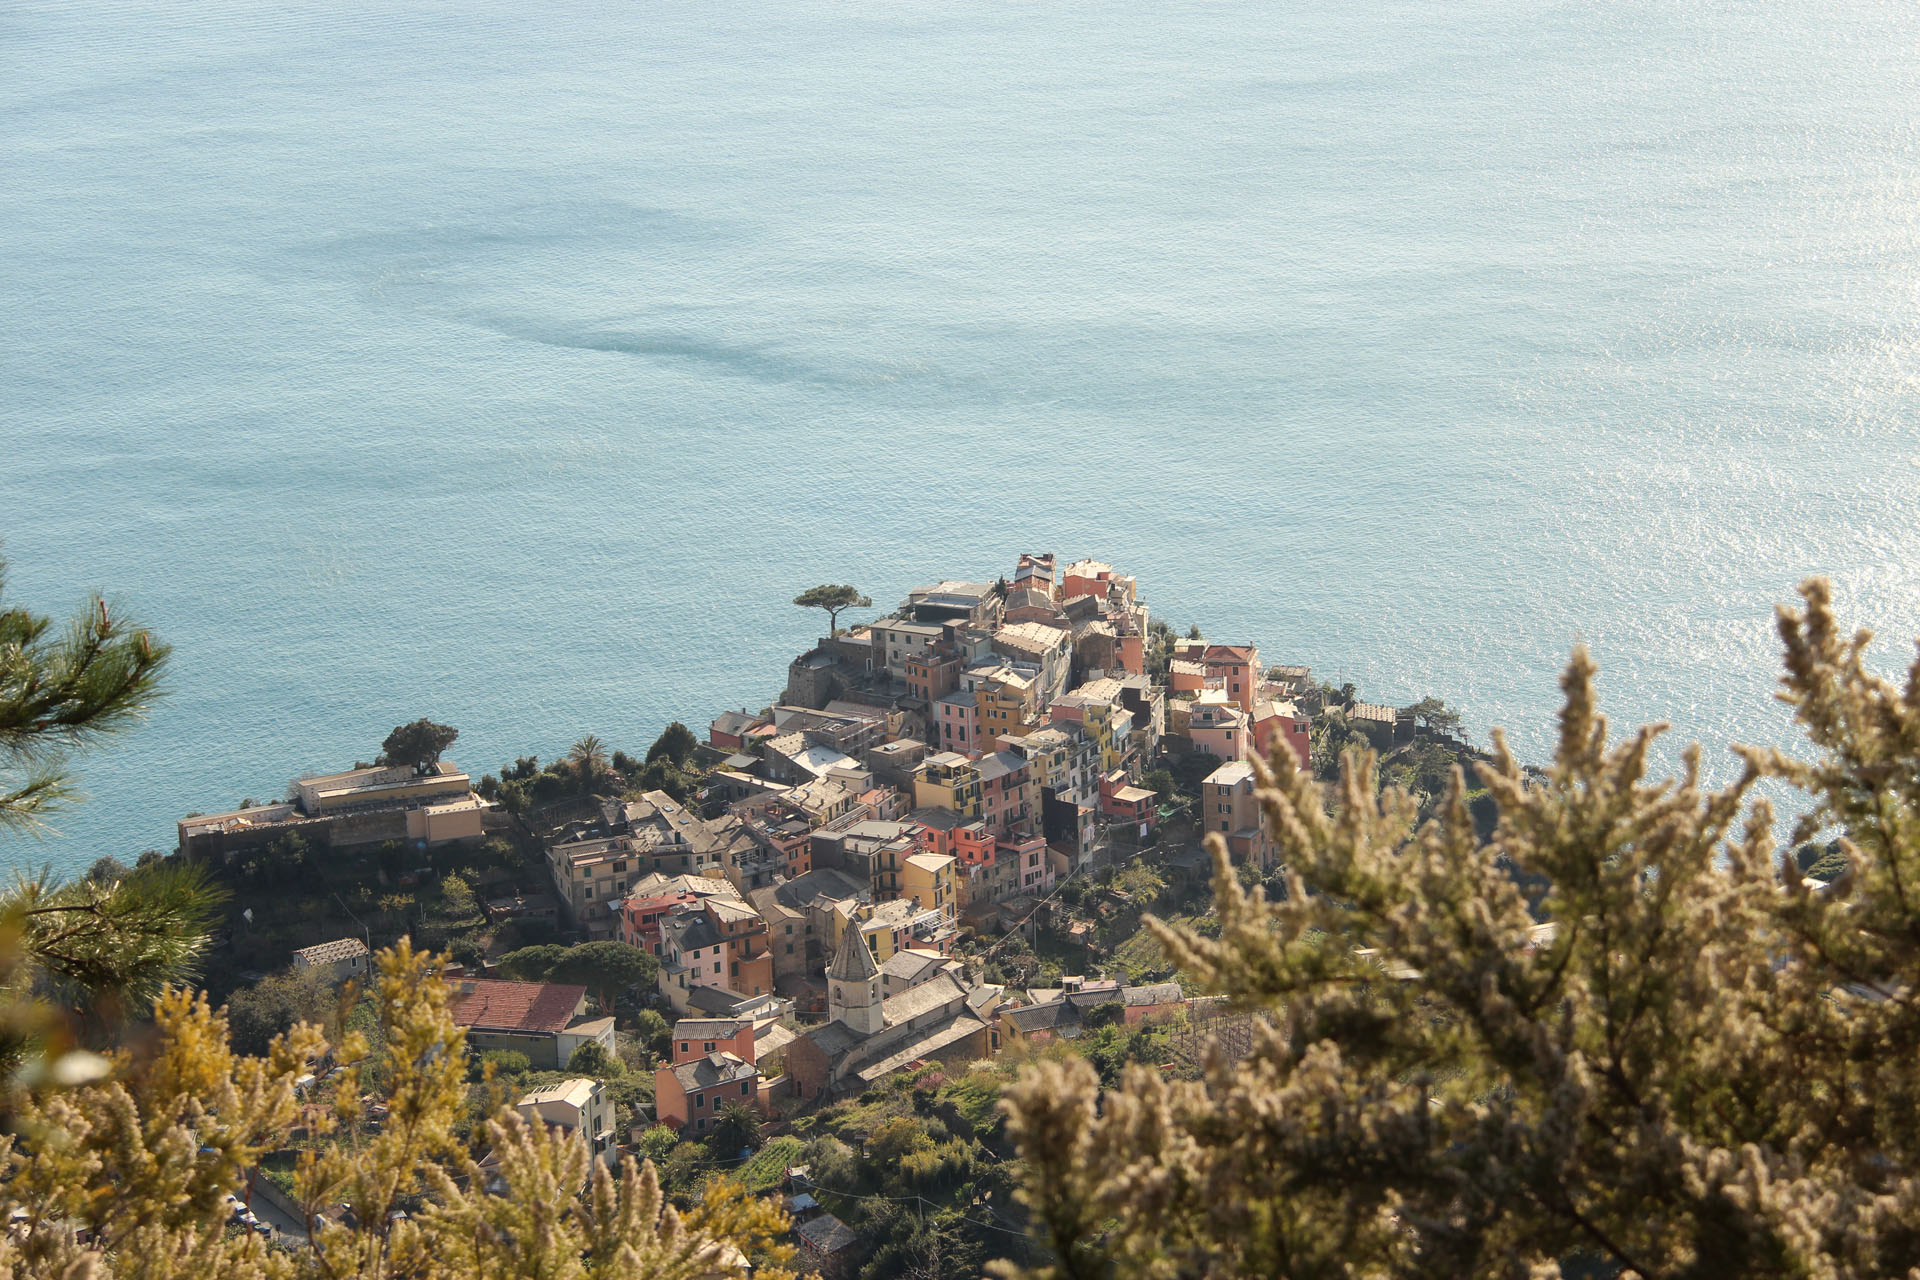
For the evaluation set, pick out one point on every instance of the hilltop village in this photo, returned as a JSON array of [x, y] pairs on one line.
[[932, 847]]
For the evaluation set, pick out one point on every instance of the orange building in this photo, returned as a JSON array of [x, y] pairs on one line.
[[1085, 578], [933, 675], [690, 1095], [698, 1037], [1281, 722], [1184, 675]]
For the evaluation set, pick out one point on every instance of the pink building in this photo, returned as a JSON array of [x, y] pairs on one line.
[[956, 723], [1221, 728], [1229, 807], [1186, 675], [1028, 854], [1008, 796]]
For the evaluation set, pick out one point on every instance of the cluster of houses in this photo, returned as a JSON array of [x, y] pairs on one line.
[[938, 769]]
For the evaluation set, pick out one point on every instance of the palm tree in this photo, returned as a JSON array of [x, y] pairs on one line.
[[589, 762]]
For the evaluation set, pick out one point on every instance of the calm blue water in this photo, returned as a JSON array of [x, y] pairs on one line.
[[516, 364]]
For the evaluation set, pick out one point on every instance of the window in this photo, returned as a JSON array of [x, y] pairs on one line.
[[709, 1047], [789, 932], [1224, 824], [684, 1046], [699, 1100], [703, 1122], [716, 966], [618, 867], [789, 948], [746, 1087], [589, 891]]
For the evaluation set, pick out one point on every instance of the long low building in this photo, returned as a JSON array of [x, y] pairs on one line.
[[545, 1020], [434, 806]]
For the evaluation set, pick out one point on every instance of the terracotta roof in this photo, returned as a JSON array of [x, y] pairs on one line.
[[1234, 652], [516, 1006]]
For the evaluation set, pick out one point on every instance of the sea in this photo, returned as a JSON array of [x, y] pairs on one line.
[[515, 365]]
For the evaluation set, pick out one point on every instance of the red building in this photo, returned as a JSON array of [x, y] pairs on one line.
[[640, 919], [1124, 802]]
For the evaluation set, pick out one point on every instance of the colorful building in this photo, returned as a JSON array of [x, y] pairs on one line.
[[1221, 728], [689, 1096], [948, 781], [697, 1037], [641, 918], [1237, 666], [927, 881], [721, 943], [1229, 809], [1009, 794], [1007, 704], [954, 722], [1124, 802], [1282, 722], [933, 674], [1106, 722]]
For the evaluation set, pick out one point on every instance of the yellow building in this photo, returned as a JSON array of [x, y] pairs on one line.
[[928, 880], [1007, 703], [948, 781], [1102, 720]]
